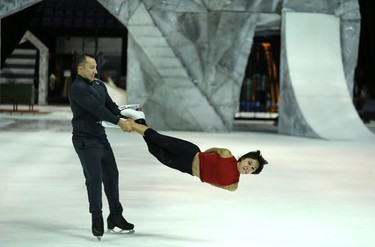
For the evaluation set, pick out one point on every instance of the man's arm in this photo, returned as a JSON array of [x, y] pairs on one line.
[[109, 103], [82, 96]]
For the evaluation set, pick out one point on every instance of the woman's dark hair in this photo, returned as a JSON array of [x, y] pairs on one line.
[[255, 155]]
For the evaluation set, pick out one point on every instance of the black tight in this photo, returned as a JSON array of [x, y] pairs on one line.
[[172, 152]]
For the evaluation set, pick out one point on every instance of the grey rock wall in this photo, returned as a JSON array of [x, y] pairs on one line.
[[202, 48], [9, 7], [187, 58]]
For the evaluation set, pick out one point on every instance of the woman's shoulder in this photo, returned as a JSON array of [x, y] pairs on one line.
[[220, 151], [225, 153]]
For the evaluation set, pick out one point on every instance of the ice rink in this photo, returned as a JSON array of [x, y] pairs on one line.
[[312, 193]]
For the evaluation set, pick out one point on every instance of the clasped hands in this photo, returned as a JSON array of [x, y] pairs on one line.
[[125, 124]]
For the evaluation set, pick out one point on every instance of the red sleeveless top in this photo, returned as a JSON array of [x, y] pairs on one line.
[[217, 170]]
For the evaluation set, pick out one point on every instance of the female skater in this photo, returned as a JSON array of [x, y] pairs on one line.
[[216, 166]]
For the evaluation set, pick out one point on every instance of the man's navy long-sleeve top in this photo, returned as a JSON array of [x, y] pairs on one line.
[[90, 104]]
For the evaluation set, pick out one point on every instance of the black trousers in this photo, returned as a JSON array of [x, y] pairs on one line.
[[173, 152], [99, 166]]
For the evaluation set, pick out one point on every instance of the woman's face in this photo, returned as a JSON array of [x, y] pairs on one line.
[[247, 166], [88, 70]]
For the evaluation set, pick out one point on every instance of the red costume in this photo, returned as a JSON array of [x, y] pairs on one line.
[[217, 170]]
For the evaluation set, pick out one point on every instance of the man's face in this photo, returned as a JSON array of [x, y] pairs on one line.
[[88, 69]]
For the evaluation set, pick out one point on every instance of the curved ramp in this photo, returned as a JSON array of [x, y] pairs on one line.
[[316, 83]]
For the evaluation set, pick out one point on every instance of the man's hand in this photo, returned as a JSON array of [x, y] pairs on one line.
[[125, 125]]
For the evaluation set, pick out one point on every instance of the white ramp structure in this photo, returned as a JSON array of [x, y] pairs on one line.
[[315, 100]]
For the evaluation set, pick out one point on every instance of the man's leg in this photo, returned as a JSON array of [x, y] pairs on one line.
[[90, 154], [111, 189], [111, 180]]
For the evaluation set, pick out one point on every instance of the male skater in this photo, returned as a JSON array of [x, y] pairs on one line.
[[91, 104]]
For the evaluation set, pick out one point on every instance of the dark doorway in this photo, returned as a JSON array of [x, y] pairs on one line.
[[259, 97], [69, 27]]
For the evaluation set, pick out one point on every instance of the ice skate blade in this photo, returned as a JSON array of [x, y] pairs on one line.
[[133, 114], [131, 106], [99, 238], [121, 231]]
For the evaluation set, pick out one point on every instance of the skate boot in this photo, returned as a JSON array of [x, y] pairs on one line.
[[131, 106], [133, 114], [97, 227], [117, 220], [106, 124], [137, 116]]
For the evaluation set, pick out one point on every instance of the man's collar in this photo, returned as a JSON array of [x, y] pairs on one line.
[[84, 79]]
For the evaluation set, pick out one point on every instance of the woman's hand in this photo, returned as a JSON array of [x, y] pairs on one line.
[[125, 125]]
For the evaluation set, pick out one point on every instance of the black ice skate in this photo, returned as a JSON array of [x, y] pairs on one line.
[[97, 227], [117, 220]]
